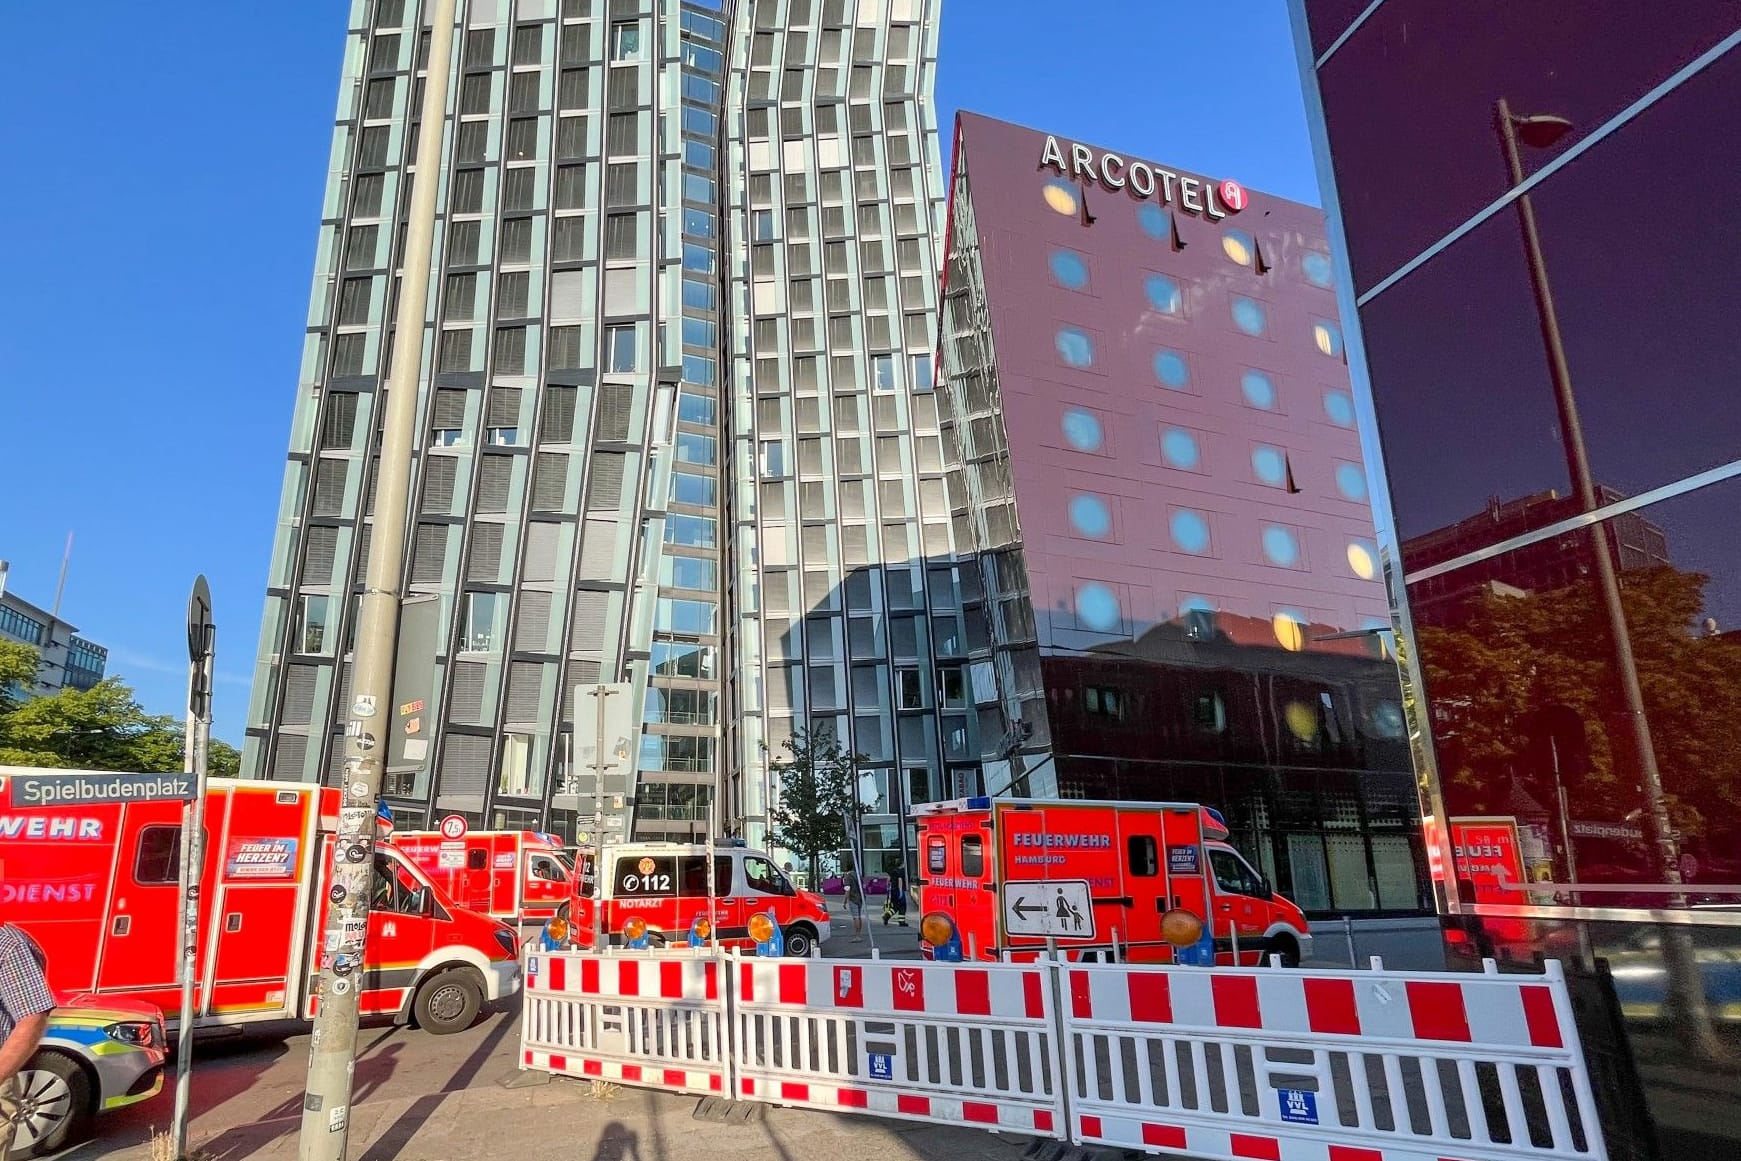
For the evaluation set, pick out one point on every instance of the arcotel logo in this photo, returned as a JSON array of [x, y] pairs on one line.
[[1214, 200]]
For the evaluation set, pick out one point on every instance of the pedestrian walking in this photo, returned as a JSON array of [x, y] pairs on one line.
[[855, 905], [25, 1003], [896, 907]]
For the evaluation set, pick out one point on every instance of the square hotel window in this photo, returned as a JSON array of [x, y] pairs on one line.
[[1078, 348], [1091, 517]]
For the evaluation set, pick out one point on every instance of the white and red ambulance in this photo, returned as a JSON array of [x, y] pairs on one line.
[[521, 877], [97, 886], [1007, 875], [655, 890]]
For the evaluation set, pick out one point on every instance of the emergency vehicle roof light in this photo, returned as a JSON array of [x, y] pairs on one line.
[[982, 802]]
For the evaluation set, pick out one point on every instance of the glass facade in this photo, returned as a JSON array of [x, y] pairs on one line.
[[1532, 225], [1147, 419], [669, 434]]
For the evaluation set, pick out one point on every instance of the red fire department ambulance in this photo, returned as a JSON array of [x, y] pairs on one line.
[[1007, 875], [660, 888], [519, 876], [97, 885]]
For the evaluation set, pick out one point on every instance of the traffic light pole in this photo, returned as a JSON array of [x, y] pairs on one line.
[[333, 1046]]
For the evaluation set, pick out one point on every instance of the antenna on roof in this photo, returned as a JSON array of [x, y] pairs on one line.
[[60, 589]]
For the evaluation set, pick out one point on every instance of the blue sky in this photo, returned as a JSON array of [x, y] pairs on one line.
[[162, 212]]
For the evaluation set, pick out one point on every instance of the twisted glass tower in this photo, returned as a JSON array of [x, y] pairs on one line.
[[677, 427]]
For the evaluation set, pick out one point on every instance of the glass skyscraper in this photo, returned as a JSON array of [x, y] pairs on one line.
[[676, 420]]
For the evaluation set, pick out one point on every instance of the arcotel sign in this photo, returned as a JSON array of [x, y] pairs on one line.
[[1195, 195]]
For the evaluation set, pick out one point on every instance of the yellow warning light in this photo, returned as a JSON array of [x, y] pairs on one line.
[[634, 927], [1181, 928], [936, 929], [558, 930], [761, 928], [703, 929]]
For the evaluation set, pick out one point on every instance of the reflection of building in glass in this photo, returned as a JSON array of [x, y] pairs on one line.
[[1582, 704], [1148, 405], [1550, 563], [678, 428]]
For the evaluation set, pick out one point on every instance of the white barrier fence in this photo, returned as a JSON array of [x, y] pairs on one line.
[[1213, 1063], [973, 1045], [655, 1021]]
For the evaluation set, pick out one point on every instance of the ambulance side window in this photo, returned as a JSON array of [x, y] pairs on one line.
[[692, 869], [761, 875], [548, 869], [640, 875], [1232, 876], [394, 889], [158, 859], [477, 859], [1143, 856], [972, 856], [936, 856]]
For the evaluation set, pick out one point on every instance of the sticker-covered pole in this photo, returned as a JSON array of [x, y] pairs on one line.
[[201, 642], [333, 1046]]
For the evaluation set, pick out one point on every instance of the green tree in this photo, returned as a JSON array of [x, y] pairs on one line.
[[1514, 654], [818, 781], [101, 728]]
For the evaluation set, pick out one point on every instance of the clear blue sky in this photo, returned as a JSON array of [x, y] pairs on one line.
[[161, 212]]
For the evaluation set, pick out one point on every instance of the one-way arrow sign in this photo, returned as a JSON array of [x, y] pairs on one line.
[[1056, 908]]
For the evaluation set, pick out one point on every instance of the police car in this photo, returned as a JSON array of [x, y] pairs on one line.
[[98, 1055]]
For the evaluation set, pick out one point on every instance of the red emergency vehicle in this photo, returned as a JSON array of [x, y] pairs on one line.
[[659, 888], [97, 886], [1007, 875], [519, 876]]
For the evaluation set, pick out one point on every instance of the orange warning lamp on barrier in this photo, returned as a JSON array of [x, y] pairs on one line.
[[1181, 928], [761, 928]]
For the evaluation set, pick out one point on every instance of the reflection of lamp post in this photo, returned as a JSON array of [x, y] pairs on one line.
[[1539, 132], [1686, 993]]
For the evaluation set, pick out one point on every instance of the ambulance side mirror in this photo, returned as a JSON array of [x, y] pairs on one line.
[[424, 902]]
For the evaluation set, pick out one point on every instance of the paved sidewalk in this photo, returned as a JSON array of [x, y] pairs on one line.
[[440, 1098]]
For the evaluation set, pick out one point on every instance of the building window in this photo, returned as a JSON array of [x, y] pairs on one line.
[[761, 225], [883, 372], [518, 778], [1103, 701], [688, 572], [696, 449], [480, 623], [909, 691], [314, 625], [691, 531], [923, 368], [623, 236], [951, 690], [626, 41], [622, 353], [691, 489], [691, 618]]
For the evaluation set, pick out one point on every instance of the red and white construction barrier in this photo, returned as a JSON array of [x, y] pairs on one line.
[[900, 1039], [1219, 1064], [1327, 1066], [656, 1021]]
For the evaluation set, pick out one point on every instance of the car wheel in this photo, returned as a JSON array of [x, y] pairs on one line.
[[55, 1104], [1284, 946], [799, 941], [448, 1002]]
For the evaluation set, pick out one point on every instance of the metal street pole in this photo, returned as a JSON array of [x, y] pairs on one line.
[[600, 692], [202, 637], [333, 1046], [1578, 464]]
